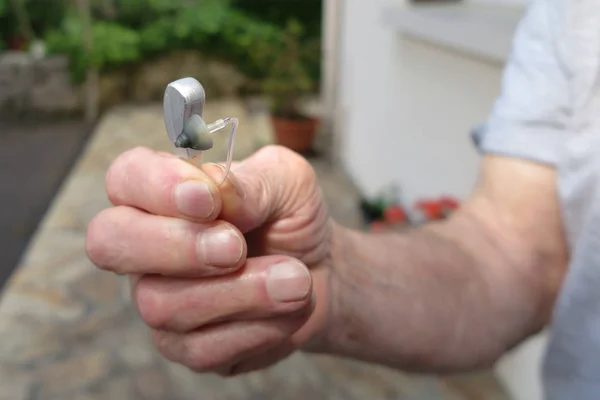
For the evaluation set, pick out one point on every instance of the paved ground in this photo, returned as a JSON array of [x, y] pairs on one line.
[[68, 331], [34, 158]]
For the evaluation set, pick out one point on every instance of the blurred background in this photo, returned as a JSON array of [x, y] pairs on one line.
[[381, 96]]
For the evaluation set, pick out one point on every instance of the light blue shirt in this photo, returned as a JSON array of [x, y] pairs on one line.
[[549, 111]]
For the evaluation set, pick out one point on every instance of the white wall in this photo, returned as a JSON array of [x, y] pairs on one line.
[[520, 371], [407, 108], [367, 58]]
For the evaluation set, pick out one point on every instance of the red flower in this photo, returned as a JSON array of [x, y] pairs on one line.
[[449, 202], [431, 208], [394, 215]]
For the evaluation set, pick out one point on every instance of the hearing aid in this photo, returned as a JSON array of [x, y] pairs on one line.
[[183, 105]]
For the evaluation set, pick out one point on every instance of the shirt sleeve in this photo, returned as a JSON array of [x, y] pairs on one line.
[[531, 116]]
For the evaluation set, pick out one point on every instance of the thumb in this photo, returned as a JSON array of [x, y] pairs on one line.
[[261, 188]]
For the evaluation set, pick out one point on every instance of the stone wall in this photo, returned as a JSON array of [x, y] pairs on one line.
[[29, 86], [36, 86], [146, 82]]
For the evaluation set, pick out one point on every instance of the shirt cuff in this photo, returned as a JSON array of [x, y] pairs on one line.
[[534, 143]]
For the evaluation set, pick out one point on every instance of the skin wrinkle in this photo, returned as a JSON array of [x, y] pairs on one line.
[[307, 222], [305, 191], [264, 201], [274, 190], [306, 215], [310, 226]]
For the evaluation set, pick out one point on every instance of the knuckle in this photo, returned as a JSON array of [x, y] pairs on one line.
[[275, 150], [111, 182], [119, 170], [189, 350], [283, 154], [292, 161], [199, 358], [282, 163], [151, 305], [96, 240], [278, 156], [137, 153], [101, 242], [163, 343]]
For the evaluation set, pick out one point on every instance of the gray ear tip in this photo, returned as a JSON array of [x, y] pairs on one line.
[[197, 134]]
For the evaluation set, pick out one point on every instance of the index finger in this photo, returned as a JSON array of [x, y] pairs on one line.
[[162, 184]]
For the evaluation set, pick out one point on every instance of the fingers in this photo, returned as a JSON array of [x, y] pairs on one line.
[[162, 184], [266, 287], [126, 240], [263, 187], [225, 324], [221, 347]]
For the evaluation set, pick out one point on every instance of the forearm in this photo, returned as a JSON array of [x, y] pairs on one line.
[[445, 297]]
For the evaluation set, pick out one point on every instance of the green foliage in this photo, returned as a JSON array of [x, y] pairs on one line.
[[249, 42], [114, 45], [248, 33], [3, 11], [288, 76], [189, 25], [40, 17], [279, 12]]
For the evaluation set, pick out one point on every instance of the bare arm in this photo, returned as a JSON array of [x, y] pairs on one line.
[[453, 295]]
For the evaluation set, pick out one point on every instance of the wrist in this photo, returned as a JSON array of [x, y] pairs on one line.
[[330, 291]]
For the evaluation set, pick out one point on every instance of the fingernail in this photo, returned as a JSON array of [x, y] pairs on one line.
[[193, 198], [288, 281], [220, 247]]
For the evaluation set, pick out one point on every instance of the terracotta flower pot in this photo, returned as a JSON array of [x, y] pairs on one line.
[[295, 134]]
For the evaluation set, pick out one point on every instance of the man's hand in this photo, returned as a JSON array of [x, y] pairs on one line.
[[233, 279], [229, 278]]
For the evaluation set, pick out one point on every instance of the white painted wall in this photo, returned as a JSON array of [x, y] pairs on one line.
[[407, 108], [520, 370], [405, 112]]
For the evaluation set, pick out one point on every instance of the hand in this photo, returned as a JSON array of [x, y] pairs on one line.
[[230, 279]]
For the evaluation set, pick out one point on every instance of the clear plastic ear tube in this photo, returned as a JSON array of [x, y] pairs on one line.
[[197, 136]]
